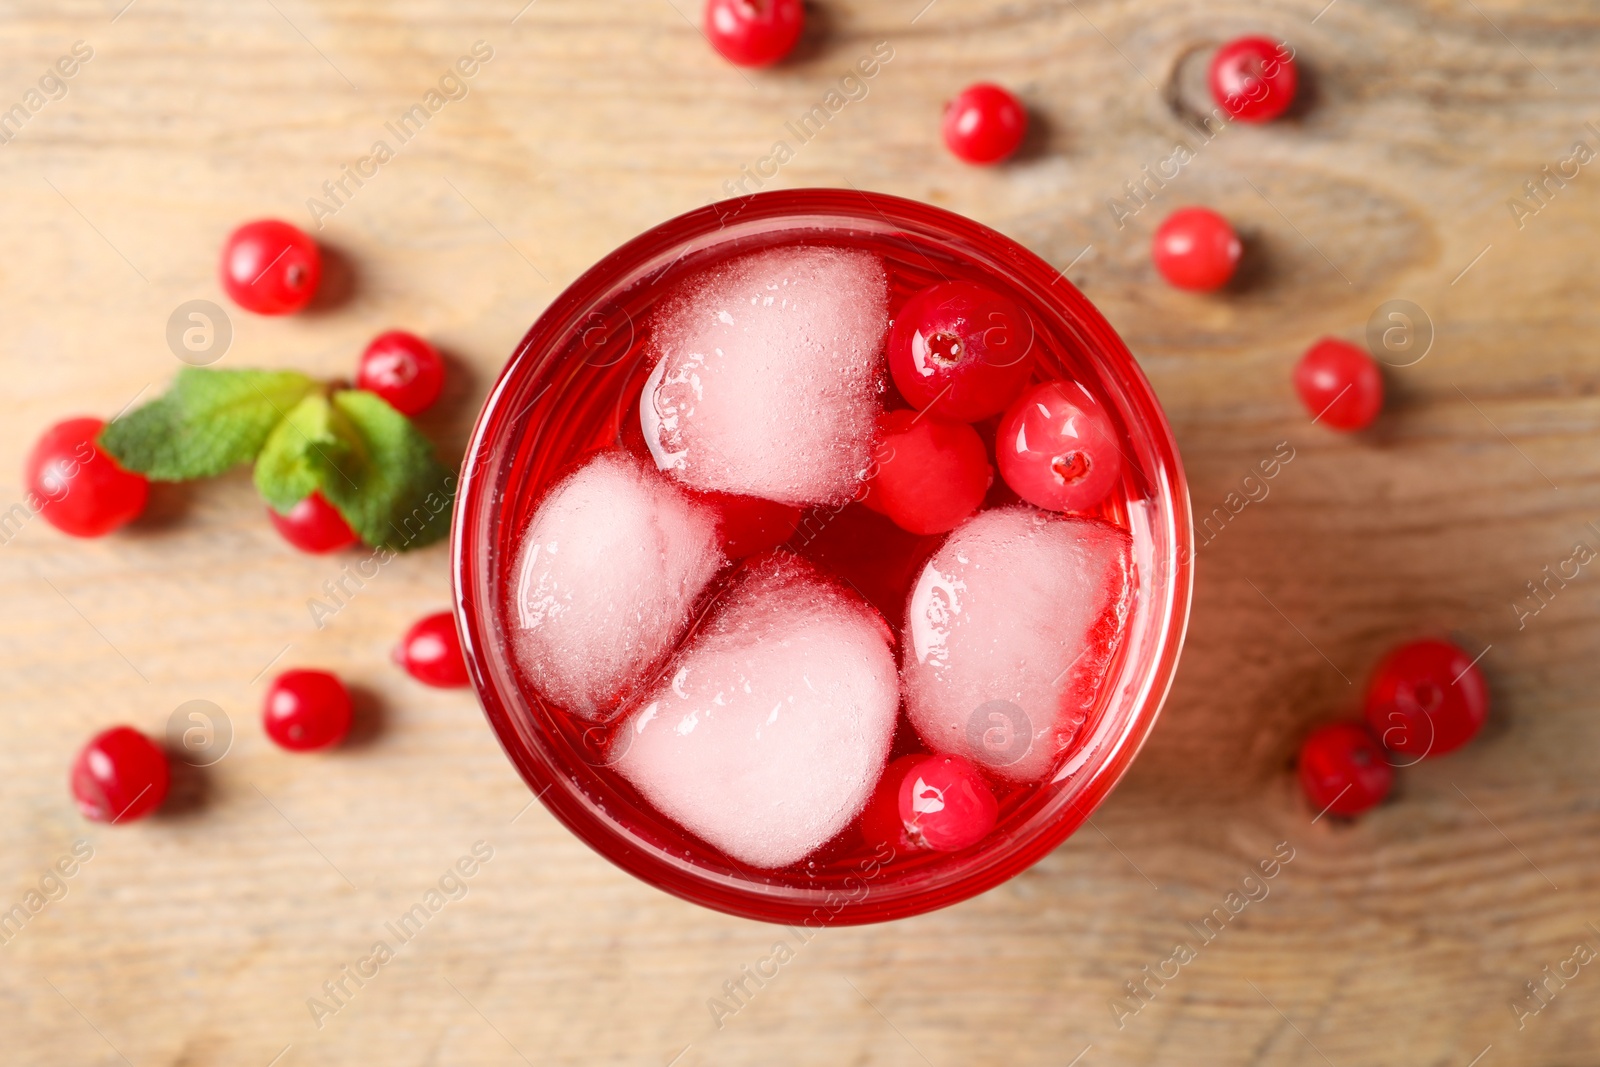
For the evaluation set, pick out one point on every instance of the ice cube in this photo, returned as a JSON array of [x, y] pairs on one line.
[[1010, 628], [768, 376], [609, 572], [771, 727]]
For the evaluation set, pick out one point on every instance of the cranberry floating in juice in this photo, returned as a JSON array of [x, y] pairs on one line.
[[723, 585]]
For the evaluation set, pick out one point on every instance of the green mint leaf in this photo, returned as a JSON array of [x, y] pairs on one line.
[[208, 422], [406, 500], [368, 461], [310, 443]]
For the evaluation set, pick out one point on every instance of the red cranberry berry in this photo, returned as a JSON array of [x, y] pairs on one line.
[[1056, 448], [1427, 698], [76, 486], [928, 474], [307, 710], [1254, 78], [431, 652], [880, 820], [119, 776], [984, 124], [754, 33], [314, 525], [961, 350], [1340, 384], [1196, 249], [270, 267], [403, 369], [1342, 769], [945, 804]]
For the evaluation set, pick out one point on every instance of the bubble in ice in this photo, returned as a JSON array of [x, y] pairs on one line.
[[1011, 624], [609, 573], [768, 375], [770, 729]]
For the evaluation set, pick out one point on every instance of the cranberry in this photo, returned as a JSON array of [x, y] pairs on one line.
[[1254, 78], [1056, 448], [961, 350], [403, 369], [880, 820], [1195, 248], [748, 524], [1340, 384], [945, 804], [270, 267], [984, 124], [307, 710], [754, 33], [119, 776], [1427, 698], [431, 652], [76, 486], [1342, 769], [314, 525], [928, 474]]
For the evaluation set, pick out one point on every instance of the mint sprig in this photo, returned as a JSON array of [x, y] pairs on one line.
[[363, 456], [208, 422], [307, 445], [370, 463]]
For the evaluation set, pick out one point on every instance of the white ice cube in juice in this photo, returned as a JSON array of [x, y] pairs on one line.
[[768, 375], [610, 569], [1009, 631], [769, 730]]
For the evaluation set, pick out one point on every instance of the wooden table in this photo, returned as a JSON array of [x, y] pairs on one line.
[[198, 937]]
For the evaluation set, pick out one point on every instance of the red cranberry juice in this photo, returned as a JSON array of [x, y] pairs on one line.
[[594, 405]]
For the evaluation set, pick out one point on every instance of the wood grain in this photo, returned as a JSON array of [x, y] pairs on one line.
[[198, 937]]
